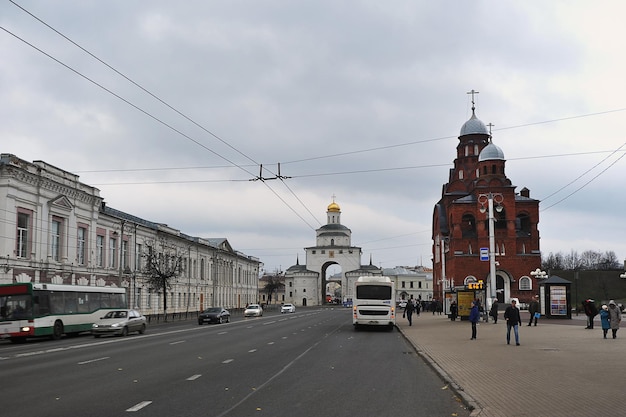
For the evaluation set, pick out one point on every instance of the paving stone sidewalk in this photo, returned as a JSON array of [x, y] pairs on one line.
[[560, 369]]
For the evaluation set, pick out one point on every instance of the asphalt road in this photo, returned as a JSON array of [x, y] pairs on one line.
[[308, 364]]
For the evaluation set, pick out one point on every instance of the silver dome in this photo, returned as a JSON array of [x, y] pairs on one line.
[[491, 152], [474, 126]]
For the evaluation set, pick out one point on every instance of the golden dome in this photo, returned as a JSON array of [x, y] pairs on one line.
[[333, 207]]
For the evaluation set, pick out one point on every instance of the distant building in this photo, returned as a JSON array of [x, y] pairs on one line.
[[307, 284], [460, 223], [56, 229], [416, 282]]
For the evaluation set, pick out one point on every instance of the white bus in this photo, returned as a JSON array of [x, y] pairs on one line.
[[30, 310], [373, 302]]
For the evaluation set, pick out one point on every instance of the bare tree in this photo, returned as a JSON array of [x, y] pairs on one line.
[[164, 263], [273, 284]]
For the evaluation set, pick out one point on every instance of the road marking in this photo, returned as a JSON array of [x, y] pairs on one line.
[[139, 406], [228, 361], [94, 360], [270, 343], [176, 343], [222, 332], [269, 322], [252, 351], [194, 377]]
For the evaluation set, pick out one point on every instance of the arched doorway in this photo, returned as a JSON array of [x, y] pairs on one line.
[[330, 289]]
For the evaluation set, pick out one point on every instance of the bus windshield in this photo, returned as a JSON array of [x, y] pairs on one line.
[[13, 307], [373, 292]]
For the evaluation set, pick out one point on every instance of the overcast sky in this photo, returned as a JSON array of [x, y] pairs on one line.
[[170, 107]]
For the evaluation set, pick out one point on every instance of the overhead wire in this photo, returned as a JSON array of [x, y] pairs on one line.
[[152, 116]]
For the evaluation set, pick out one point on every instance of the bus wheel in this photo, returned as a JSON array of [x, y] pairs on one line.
[[57, 330]]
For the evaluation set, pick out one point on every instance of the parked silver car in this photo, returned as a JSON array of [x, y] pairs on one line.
[[119, 322]]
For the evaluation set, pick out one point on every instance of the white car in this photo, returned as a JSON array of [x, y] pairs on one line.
[[288, 308], [253, 310]]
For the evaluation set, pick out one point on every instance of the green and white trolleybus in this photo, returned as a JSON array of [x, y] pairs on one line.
[[36, 309]]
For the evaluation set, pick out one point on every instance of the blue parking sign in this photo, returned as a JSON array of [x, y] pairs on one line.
[[484, 254]]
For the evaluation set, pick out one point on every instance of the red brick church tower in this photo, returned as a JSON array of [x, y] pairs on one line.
[[461, 222]]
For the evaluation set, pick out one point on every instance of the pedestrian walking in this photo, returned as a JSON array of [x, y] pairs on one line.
[[605, 319], [494, 310], [533, 309], [513, 320], [615, 316], [591, 311], [454, 311], [408, 311], [474, 317]]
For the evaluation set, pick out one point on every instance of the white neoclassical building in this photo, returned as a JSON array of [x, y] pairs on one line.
[[306, 285], [56, 229]]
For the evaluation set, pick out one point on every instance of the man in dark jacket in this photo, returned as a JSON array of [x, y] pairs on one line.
[[533, 309], [474, 316], [591, 311], [513, 320], [408, 311]]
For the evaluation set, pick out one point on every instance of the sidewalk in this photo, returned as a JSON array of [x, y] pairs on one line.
[[561, 369]]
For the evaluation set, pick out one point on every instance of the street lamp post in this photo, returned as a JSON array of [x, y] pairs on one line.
[[489, 198]]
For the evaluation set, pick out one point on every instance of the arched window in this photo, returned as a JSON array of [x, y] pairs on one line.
[[461, 174], [468, 279], [525, 283], [332, 242], [468, 226], [522, 225]]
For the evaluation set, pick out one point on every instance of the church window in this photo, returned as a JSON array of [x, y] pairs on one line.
[[468, 279], [475, 149], [461, 174], [493, 169], [522, 225], [468, 226], [477, 173], [332, 242], [313, 252], [485, 170], [466, 150], [525, 283], [411, 284]]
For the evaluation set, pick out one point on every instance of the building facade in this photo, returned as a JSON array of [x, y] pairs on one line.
[[416, 282], [307, 284], [460, 224], [56, 229]]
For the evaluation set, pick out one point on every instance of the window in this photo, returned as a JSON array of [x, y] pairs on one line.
[[112, 252], [138, 252], [23, 227], [411, 284], [100, 250], [56, 230], [461, 174], [124, 254], [403, 284], [81, 245], [525, 283]]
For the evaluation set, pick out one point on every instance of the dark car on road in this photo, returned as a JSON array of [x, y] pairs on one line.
[[214, 315]]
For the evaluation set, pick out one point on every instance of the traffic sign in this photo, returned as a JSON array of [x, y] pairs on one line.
[[484, 254]]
